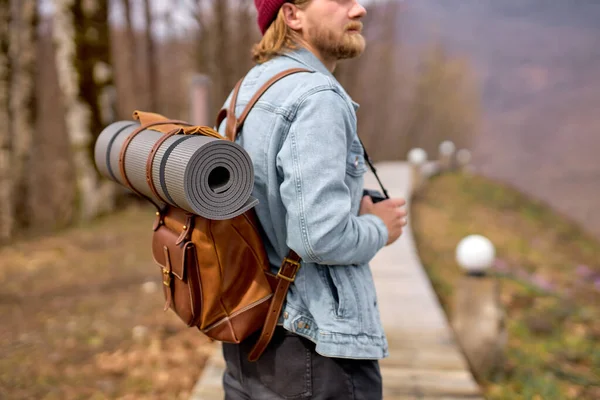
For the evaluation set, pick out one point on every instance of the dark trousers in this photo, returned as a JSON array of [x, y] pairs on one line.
[[291, 369]]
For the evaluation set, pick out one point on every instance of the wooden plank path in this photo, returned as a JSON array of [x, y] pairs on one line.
[[425, 362]]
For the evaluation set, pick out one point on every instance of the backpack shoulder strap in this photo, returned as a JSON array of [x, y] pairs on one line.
[[234, 125], [290, 264], [285, 277]]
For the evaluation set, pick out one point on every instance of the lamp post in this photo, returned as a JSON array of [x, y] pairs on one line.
[[199, 98], [446, 153], [477, 315], [417, 158], [463, 158]]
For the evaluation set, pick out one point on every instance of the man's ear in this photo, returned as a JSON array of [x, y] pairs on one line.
[[291, 16]]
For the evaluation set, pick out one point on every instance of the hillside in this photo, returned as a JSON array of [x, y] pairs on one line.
[[549, 272], [538, 64]]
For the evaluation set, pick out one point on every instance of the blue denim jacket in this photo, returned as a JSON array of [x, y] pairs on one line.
[[309, 167]]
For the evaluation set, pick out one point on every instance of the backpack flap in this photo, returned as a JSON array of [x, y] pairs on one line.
[[180, 277]]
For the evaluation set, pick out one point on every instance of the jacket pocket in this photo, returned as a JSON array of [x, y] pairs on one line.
[[355, 163], [332, 281]]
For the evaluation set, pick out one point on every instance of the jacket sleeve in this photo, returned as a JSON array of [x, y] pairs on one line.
[[312, 161]]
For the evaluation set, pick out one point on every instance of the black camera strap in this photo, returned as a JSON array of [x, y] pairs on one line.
[[373, 169]]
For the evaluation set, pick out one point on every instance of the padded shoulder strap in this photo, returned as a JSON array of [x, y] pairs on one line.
[[234, 125]]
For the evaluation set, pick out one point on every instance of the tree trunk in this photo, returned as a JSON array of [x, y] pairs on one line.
[[150, 59], [23, 103], [384, 118], [221, 51], [82, 74], [130, 55], [246, 36], [202, 50], [6, 201]]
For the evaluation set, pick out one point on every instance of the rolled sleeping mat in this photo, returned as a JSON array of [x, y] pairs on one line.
[[206, 176]]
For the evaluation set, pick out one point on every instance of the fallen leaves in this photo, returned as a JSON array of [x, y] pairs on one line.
[[83, 318]]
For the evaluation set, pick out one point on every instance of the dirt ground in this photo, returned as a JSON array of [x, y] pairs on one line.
[[82, 317]]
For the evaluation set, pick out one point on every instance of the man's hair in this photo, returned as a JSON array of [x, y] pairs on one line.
[[278, 38]]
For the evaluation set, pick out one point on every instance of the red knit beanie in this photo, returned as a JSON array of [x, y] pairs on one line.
[[267, 12]]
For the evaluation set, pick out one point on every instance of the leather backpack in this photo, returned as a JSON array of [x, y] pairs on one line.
[[215, 273]]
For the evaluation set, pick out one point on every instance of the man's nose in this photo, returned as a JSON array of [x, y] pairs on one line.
[[357, 11]]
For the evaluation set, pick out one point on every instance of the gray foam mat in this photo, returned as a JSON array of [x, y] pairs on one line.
[[209, 177]]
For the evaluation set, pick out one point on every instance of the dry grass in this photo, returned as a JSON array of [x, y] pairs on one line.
[[82, 317], [550, 277]]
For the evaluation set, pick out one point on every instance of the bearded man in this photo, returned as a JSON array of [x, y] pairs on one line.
[[309, 164]]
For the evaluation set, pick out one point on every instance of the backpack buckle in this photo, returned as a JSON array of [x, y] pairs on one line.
[[166, 277], [294, 270]]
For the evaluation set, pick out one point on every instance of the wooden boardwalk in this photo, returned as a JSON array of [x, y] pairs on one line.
[[425, 361]]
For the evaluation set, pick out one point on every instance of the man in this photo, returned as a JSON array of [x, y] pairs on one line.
[[309, 168]]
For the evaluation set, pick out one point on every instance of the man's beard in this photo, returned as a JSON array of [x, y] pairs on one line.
[[333, 45]]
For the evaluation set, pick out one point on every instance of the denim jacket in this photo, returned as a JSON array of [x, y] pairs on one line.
[[309, 167]]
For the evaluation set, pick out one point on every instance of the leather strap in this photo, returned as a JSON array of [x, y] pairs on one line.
[[164, 125], [234, 125], [230, 127], [220, 117], [286, 275], [187, 229], [128, 140], [167, 280], [186, 128], [150, 162], [291, 263], [145, 117]]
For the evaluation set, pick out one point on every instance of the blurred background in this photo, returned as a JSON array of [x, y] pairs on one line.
[[514, 81], [511, 80], [92, 62]]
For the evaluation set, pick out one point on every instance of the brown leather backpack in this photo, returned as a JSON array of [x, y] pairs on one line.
[[215, 273]]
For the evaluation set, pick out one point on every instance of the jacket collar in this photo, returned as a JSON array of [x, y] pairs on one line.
[[306, 57]]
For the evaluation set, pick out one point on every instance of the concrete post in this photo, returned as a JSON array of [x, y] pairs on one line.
[[417, 158], [463, 159], [200, 110], [447, 149], [477, 316]]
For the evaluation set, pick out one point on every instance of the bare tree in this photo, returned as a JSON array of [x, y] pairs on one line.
[[222, 50], [226, 32], [6, 201], [389, 79], [445, 102], [130, 51], [201, 49], [81, 53], [246, 35], [377, 81], [151, 59], [23, 105], [403, 106]]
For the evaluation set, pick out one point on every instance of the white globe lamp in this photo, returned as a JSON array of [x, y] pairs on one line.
[[447, 148], [417, 156], [475, 254]]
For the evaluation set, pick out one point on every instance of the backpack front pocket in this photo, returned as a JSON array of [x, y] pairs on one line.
[[180, 274]]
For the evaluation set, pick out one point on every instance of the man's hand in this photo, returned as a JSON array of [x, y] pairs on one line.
[[390, 213]]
